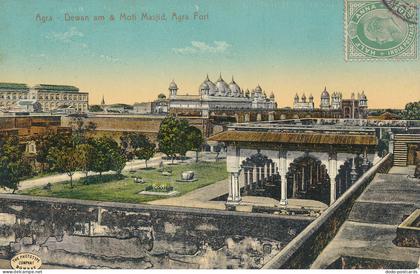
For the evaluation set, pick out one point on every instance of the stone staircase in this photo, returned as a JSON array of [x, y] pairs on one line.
[[401, 142]]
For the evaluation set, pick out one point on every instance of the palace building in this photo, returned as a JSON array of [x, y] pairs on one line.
[[351, 108], [49, 97], [219, 96]]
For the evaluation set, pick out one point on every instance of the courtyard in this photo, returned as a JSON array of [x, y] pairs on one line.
[[123, 188]]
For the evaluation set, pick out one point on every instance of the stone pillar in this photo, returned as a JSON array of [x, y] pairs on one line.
[[310, 175], [246, 181], [391, 143], [282, 172], [251, 179], [353, 173], [332, 172], [265, 171], [365, 164], [302, 183], [234, 189], [254, 176]]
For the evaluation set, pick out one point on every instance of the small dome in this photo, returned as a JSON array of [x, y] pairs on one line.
[[304, 97], [311, 97], [173, 85], [325, 94], [363, 96], [296, 97], [212, 86], [272, 95], [222, 87], [204, 86], [258, 89], [236, 90]]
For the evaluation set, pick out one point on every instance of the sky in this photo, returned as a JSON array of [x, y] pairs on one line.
[[286, 46]]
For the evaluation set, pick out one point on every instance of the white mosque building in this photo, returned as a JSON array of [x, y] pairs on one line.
[[220, 96]]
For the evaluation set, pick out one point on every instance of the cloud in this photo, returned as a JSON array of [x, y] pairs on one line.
[[39, 55], [198, 47], [66, 37], [109, 58]]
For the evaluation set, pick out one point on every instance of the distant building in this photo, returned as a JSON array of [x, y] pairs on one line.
[[351, 108], [303, 104], [158, 106], [118, 108], [218, 96], [143, 108], [50, 97], [27, 105]]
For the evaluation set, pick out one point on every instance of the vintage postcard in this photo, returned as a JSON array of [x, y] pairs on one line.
[[209, 134]]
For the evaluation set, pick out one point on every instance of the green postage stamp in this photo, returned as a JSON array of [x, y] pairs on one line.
[[380, 30]]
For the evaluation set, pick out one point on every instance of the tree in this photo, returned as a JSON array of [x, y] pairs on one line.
[[48, 141], [195, 140], [95, 108], [14, 166], [183, 143], [168, 136], [412, 111], [81, 129], [107, 155], [146, 151], [118, 161], [85, 159], [65, 160], [127, 141]]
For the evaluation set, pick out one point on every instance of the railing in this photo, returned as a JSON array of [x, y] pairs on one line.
[[305, 247]]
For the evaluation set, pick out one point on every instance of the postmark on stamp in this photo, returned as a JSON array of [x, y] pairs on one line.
[[380, 30]]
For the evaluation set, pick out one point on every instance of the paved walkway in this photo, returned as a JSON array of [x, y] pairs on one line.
[[199, 198], [202, 198], [371, 227]]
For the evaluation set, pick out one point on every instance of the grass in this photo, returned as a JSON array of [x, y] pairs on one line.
[[124, 189]]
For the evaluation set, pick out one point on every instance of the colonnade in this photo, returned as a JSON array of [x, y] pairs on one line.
[[257, 171]]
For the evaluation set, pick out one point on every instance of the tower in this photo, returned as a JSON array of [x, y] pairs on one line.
[[325, 99], [336, 100], [173, 88], [363, 100]]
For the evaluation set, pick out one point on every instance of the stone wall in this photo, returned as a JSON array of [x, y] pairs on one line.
[[115, 125], [303, 249], [87, 234]]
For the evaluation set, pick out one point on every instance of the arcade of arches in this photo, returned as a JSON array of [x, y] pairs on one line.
[[317, 163], [302, 177]]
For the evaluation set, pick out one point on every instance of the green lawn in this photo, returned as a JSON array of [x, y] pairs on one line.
[[124, 189]]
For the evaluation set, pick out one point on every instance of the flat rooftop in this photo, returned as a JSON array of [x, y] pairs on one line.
[[369, 231]]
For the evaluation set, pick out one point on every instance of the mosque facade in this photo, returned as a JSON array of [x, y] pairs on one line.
[[219, 96]]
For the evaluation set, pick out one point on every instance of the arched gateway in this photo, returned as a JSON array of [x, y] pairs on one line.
[[295, 162]]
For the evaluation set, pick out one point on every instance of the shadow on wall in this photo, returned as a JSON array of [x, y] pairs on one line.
[[86, 234]]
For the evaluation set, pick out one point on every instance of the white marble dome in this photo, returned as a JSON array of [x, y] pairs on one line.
[[325, 94], [236, 90], [173, 85], [222, 87]]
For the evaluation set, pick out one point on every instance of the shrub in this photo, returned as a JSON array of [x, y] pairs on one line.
[[160, 187]]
